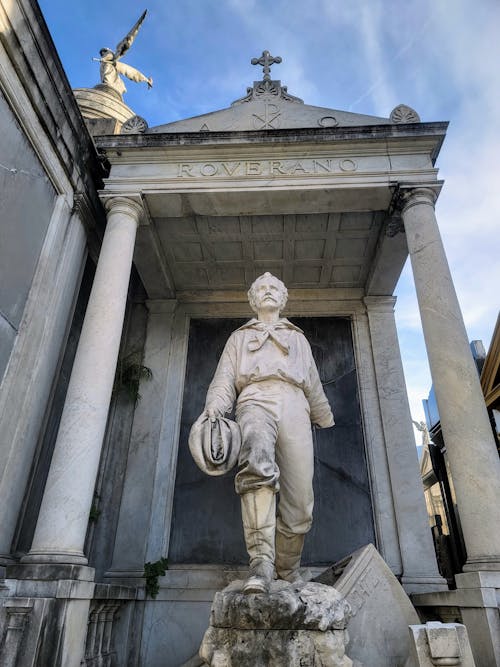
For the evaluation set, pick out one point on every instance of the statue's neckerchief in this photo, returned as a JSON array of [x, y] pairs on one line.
[[274, 331]]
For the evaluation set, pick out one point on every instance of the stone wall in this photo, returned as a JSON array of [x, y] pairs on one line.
[[22, 179]]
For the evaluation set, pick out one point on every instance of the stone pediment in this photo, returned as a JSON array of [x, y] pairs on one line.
[[269, 106]]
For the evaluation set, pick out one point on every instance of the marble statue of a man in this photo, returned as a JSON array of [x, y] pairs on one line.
[[268, 368]]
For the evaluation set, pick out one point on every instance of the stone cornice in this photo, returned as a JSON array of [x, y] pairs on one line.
[[373, 133]]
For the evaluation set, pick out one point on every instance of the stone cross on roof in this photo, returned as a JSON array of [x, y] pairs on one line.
[[266, 60]]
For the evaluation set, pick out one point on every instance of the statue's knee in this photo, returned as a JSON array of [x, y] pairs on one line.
[[297, 523], [246, 483]]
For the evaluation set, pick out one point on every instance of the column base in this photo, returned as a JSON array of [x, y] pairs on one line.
[[423, 583], [63, 557], [482, 563], [50, 572]]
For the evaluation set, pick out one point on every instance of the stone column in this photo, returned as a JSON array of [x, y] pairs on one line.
[[420, 571], [473, 459], [64, 512]]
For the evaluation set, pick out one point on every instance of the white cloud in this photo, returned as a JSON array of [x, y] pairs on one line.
[[370, 32]]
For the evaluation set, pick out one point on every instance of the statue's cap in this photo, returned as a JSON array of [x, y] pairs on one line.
[[215, 446]]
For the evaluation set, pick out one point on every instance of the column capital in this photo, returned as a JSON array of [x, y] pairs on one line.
[[126, 205], [379, 304], [414, 195]]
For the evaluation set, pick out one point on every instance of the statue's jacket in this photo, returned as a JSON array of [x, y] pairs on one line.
[[258, 352]]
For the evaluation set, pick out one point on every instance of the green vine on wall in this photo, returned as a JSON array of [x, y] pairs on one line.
[[151, 573], [129, 373]]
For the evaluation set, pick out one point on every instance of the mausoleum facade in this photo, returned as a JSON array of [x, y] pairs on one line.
[[142, 245]]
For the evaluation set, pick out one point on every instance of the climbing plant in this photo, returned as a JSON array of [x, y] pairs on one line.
[[151, 573], [129, 373]]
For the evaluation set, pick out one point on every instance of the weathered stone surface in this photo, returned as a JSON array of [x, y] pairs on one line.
[[224, 647], [95, 103], [294, 625], [308, 606], [382, 611], [43, 631]]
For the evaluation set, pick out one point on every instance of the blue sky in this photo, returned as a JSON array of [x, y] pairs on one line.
[[440, 57]]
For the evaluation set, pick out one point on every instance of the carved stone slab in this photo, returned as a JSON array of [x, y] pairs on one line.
[[381, 609], [292, 626]]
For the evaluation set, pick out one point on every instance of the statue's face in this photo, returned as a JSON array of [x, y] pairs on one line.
[[267, 294]]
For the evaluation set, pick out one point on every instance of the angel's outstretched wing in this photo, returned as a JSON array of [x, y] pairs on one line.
[[126, 42]]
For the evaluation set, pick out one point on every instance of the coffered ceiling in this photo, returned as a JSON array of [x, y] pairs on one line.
[[305, 250]]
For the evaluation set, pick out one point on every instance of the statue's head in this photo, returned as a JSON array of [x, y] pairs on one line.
[[267, 288], [106, 53]]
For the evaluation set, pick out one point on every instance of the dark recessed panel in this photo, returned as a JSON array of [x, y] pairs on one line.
[[206, 525]]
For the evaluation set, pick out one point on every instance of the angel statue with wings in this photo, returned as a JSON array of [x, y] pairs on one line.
[[111, 67]]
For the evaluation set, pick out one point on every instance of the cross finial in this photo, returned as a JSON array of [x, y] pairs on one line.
[[266, 60]]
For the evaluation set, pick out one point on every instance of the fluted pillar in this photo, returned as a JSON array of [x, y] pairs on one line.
[[64, 512], [472, 455]]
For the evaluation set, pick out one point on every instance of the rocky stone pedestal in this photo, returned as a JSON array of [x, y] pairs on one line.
[[293, 626]]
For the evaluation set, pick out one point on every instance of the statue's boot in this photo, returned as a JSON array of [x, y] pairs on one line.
[[288, 555], [258, 511]]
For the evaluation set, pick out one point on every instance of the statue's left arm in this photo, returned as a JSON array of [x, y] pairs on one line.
[[321, 412], [221, 393]]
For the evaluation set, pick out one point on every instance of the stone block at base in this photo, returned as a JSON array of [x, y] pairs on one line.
[[440, 644], [292, 626]]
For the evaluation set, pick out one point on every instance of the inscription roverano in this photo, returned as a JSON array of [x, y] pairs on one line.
[[266, 168]]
